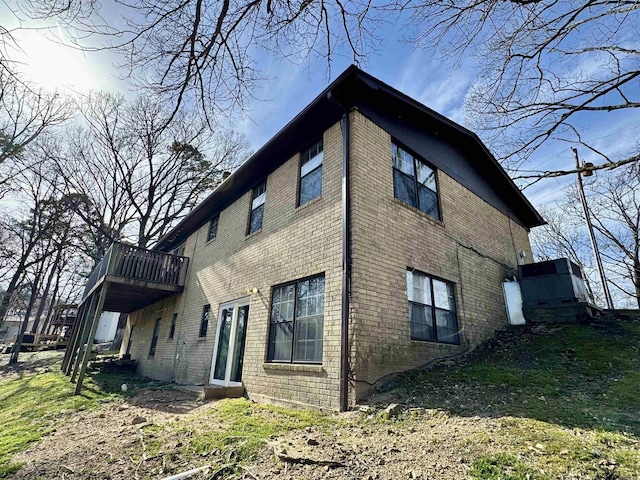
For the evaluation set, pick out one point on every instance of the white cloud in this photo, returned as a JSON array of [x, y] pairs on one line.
[[436, 86]]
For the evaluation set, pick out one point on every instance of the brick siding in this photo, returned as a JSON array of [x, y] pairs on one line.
[[474, 246], [295, 242], [467, 247]]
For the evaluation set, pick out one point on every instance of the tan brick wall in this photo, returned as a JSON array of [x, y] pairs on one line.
[[293, 243], [473, 247], [467, 248]]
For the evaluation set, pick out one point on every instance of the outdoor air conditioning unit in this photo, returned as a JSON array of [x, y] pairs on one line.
[[554, 290]]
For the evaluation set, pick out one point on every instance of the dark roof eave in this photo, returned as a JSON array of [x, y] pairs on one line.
[[450, 123], [188, 224], [255, 157]]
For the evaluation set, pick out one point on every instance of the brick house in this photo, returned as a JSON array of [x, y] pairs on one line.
[[369, 236]]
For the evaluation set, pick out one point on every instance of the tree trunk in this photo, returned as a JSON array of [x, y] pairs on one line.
[[45, 293], [18, 344], [6, 298], [43, 300], [636, 279], [52, 304]]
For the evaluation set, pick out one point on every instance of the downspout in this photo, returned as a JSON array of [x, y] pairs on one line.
[[346, 259]]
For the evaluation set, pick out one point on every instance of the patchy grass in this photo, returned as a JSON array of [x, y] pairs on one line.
[[568, 402], [28, 407], [34, 401], [241, 427], [578, 376], [501, 467], [529, 405]]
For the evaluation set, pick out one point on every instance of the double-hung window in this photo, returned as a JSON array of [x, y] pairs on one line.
[[258, 197], [154, 338], [204, 323], [414, 182], [311, 173], [432, 308], [213, 227], [297, 320]]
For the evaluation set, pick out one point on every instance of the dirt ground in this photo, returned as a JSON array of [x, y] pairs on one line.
[[430, 445], [151, 435], [105, 443], [108, 444]]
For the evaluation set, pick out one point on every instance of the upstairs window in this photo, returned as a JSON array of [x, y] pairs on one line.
[[432, 308], [172, 330], [414, 182], [154, 338], [297, 320], [204, 323], [258, 197], [311, 173], [213, 227]]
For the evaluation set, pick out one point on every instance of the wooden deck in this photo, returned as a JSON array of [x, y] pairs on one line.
[[137, 277], [35, 341], [126, 279]]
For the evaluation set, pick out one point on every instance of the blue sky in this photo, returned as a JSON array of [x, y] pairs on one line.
[[417, 73]]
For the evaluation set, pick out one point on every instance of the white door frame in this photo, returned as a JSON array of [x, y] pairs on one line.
[[236, 304]]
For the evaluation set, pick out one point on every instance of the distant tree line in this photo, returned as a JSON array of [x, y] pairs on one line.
[[78, 174]]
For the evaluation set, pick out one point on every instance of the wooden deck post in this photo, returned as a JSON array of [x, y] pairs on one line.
[[83, 334], [92, 333], [73, 340]]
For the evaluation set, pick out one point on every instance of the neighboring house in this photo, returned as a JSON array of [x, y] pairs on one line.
[[11, 327], [371, 235]]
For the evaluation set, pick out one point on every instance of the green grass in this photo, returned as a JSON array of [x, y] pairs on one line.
[[575, 392], [31, 404], [579, 376], [241, 427], [502, 467]]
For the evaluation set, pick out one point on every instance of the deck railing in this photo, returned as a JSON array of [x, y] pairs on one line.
[[131, 262]]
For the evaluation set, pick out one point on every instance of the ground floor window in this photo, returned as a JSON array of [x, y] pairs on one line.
[[432, 308], [172, 330], [296, 324], [204, 323], [154, 338]]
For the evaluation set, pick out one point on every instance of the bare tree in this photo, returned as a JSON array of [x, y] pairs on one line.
[[32, 230], [207, 52], [614, 201], [132, 172], [25, 113], [547, 67], [614, 206]]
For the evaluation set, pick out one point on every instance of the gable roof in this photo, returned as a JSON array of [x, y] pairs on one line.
[[353, 88]]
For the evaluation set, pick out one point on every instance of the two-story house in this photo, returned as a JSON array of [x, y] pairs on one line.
[[369, 236]]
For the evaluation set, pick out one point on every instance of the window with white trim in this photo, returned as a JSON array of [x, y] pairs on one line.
[[311, 173], [432, 308], [414, 182], [258, 197], [297, 321]]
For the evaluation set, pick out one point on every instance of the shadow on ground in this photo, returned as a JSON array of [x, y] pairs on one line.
[[143, 392], [30, 363]]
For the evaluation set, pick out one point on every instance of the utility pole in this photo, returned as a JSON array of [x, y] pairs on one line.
[[594, 243]]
